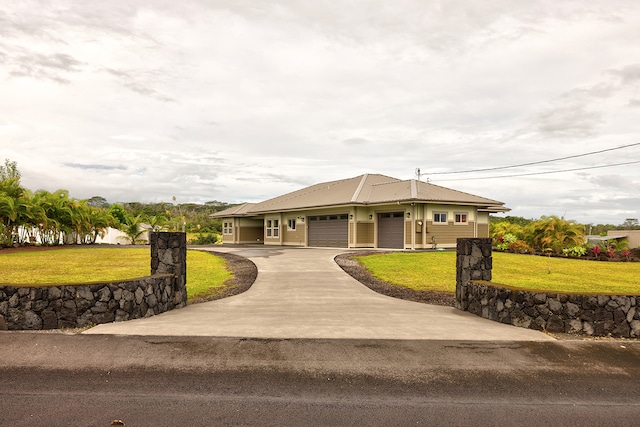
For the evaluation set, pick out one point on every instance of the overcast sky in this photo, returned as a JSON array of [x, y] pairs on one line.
[[247, 100]]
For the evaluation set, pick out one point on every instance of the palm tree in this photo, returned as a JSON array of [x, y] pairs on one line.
[[132, 228], [8, 216], [101, 220]]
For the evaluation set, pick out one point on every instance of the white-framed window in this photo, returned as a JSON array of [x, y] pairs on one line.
[[273, 228], [460, 218], [439, 217], [291, 224], [227, 228]]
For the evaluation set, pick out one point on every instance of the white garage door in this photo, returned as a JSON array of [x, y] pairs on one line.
[[329, 231]]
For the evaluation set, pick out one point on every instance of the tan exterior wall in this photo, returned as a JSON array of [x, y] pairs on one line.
[[365, 234], [407, 234], [483, 230], [447, 235], [297, 237]]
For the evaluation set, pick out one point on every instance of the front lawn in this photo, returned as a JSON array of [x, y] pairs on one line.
[[436, 271], [206, 273]]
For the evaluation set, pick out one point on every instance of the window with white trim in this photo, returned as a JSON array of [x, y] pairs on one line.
[[227, 228], [273, 228], [291, 224], [460, 218], [439, 217]]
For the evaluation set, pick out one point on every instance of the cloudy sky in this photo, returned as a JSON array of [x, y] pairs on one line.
[[246, 100]]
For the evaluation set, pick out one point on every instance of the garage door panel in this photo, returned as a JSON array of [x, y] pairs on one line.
[[391, 230], [329, 231]]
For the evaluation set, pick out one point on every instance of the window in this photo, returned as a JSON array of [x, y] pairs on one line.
[[439, 217], [460, 218], [273, 228], [227, 228], [291, 224]]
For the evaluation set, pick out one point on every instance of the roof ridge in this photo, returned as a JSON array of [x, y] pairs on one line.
[[356, 194], [414, 189]]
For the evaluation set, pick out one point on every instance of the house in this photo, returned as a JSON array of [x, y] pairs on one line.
[[367, 211], [631, 236]]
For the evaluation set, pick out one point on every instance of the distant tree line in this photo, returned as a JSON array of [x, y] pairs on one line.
[[54, 218]]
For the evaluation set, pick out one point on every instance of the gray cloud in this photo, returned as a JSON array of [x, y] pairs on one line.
[[95, 166], [355, 141], [42, 66], [569, 121], [140, 82]]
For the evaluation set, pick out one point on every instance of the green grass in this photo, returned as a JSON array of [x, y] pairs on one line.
[[206, 273], [436, 271]]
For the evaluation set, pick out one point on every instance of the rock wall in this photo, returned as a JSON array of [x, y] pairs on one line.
[[73, 306], [592, 315]]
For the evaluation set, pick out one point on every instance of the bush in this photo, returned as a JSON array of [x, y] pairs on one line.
[[502, 243], [575, 251], [206, 239], [520, 247]]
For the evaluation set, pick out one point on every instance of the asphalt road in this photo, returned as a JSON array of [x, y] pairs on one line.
[[90, 380]]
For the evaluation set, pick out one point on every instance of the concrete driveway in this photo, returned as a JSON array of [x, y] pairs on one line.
[[303, 293]]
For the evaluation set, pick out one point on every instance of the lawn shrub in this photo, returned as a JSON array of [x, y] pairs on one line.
[[520, 247]]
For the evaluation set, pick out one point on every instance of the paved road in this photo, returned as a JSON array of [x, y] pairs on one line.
[[89, 380], [303, 293]]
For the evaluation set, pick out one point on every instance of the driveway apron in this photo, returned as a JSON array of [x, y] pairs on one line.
[[303, 293]]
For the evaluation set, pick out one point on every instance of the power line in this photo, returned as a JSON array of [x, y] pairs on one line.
[[543, 173], [536, 163]]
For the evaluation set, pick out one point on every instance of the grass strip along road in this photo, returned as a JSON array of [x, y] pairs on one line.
[[206, 273], [436, 271]]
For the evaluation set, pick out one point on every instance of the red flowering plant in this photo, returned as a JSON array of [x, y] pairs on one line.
[[626, 253], [596, 250]]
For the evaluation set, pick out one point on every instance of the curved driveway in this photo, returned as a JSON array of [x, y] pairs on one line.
[[303, 293]]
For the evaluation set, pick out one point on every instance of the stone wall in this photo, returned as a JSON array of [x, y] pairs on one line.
[[54, 307], [592, 315]]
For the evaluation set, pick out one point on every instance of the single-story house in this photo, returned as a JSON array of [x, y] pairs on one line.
[[367, 211]]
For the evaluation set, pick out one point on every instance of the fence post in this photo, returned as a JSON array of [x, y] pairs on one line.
[[169, 255], [473, 262]]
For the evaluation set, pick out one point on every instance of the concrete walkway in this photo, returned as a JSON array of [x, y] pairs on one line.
[[303, 293]]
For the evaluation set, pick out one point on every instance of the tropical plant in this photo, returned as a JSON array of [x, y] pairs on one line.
[[132, 228], [575, 251], [555, 233], [502, 242]]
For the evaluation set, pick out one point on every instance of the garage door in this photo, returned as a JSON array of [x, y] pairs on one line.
[[329, 231], [391, 230]]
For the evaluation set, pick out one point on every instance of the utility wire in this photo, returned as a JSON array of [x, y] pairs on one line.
[[536, 163], [541, 173]]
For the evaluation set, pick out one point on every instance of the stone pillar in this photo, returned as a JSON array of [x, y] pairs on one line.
[[473, 262], [169, 256]]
